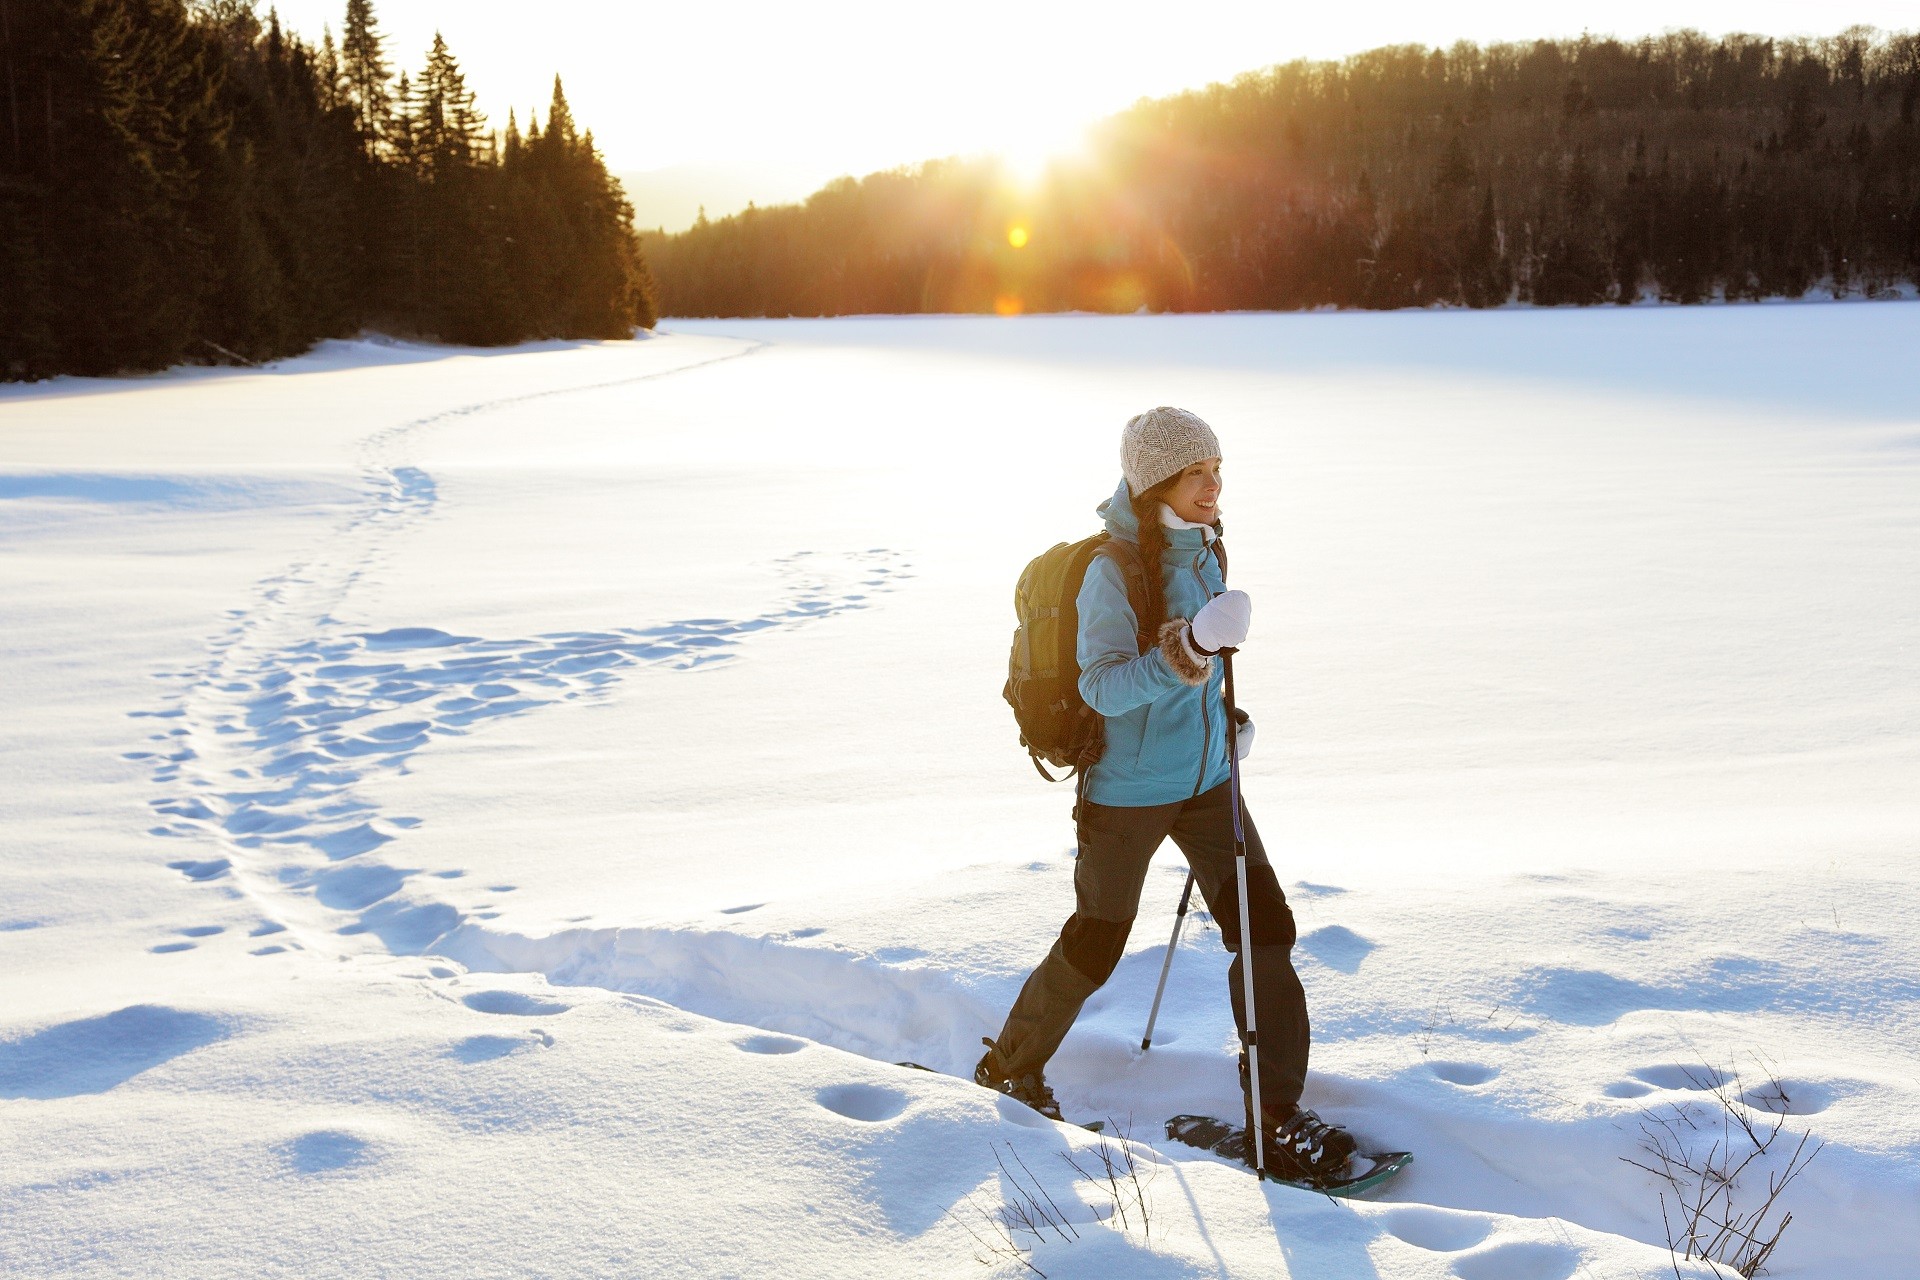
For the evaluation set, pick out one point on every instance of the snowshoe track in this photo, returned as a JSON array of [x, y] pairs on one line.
[[261, 751], [852, 1002]]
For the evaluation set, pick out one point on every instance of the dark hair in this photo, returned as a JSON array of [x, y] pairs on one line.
[[1152, 540]]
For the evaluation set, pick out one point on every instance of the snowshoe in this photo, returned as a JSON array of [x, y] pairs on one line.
[[1362, 1172]]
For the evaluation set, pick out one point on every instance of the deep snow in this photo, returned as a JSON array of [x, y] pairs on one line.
[[503, 813]]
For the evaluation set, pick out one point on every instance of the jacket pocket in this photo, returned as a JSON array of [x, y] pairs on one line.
[[1172, 748], [1137, 761]]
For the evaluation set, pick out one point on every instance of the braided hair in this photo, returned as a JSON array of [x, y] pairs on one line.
[[1152, 540]]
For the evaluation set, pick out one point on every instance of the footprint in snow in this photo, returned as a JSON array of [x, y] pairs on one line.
[[1438, 1230], [512, 1003], [1793, 1097], [212, 869], [1675, 1075], [1337, 947], [771, 1044], [326, 1150], [1465, 1074], [487, 1048], [1789, 1097], [93, 1055], [867, 1103]]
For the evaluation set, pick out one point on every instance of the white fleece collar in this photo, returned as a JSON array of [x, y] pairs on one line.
[[1173, 521]]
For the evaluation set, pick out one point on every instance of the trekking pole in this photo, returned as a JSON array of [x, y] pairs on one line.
[[1166, 966], [1250, 1036]]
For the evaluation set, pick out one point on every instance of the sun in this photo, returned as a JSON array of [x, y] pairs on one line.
[[1027, 158]]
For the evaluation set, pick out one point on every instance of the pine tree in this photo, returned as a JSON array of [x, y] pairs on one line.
[[1484, 278], [560, 117], [332, 89], [364, 66]]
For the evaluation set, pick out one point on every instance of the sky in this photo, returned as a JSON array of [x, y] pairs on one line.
[[780, 97]]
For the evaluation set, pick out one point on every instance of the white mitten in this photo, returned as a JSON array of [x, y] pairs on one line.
[[1243, 736], [1222, 622]]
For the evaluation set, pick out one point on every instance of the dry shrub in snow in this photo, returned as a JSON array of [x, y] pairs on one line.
[[1030, 1216], [1711, 1155]]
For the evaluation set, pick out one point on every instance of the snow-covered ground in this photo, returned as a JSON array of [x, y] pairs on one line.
[[502, 814]]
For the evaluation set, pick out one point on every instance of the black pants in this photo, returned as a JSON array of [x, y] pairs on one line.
[[1116, 844]]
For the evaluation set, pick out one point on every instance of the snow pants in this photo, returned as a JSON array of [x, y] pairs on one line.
[[1116, 844]]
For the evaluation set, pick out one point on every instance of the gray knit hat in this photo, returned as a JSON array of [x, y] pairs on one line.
[[1159, 442]]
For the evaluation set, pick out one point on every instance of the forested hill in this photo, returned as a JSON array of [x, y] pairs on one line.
[[190, 183], [1579, 171]]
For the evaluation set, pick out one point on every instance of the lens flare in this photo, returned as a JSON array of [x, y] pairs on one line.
[[1017, 236]]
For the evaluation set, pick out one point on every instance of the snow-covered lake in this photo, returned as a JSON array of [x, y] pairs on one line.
[[502, 814]]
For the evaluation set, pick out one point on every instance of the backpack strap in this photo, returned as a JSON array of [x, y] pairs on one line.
[[1133, 570]]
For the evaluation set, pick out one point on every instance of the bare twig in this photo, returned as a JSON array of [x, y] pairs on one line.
[[1003, 1245], [1124, 1185], [1030, 1213], [1031, 1205], [1706, 1220]]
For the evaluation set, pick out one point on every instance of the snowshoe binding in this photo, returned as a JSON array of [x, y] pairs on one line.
[[1030, 1089], [1300, 1146], [1303, 1148]]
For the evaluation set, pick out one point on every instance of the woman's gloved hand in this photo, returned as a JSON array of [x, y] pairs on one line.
[[1242, 734], [1222, 622]]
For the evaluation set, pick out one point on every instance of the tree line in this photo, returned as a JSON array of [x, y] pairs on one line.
[[1555, 172], [189, 183]]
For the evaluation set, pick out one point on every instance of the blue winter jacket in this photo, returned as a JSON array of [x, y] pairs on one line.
[[1166, 739]]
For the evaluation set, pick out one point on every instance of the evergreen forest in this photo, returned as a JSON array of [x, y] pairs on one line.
[[1556, 172], [189, 183]]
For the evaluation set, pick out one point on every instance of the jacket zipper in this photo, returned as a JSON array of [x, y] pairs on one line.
[[1206, 720]]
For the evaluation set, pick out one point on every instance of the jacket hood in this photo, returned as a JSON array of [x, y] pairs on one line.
[[1117, 513]]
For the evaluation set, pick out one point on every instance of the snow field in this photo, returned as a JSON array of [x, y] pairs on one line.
[[551, 746]]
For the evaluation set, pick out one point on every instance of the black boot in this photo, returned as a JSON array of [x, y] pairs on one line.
[[1300, 1146], [1030, 1089]]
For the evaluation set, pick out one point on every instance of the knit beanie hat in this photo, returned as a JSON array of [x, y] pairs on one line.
[[1159, 442]]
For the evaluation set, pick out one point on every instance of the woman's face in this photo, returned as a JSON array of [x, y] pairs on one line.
[[1195, 493]]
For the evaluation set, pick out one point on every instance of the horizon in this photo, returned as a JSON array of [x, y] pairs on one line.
[[779, 118]]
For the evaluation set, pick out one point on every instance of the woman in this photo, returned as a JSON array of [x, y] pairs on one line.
[[1165, 773]]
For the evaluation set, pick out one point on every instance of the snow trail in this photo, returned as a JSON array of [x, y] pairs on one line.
[[260, 754]]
